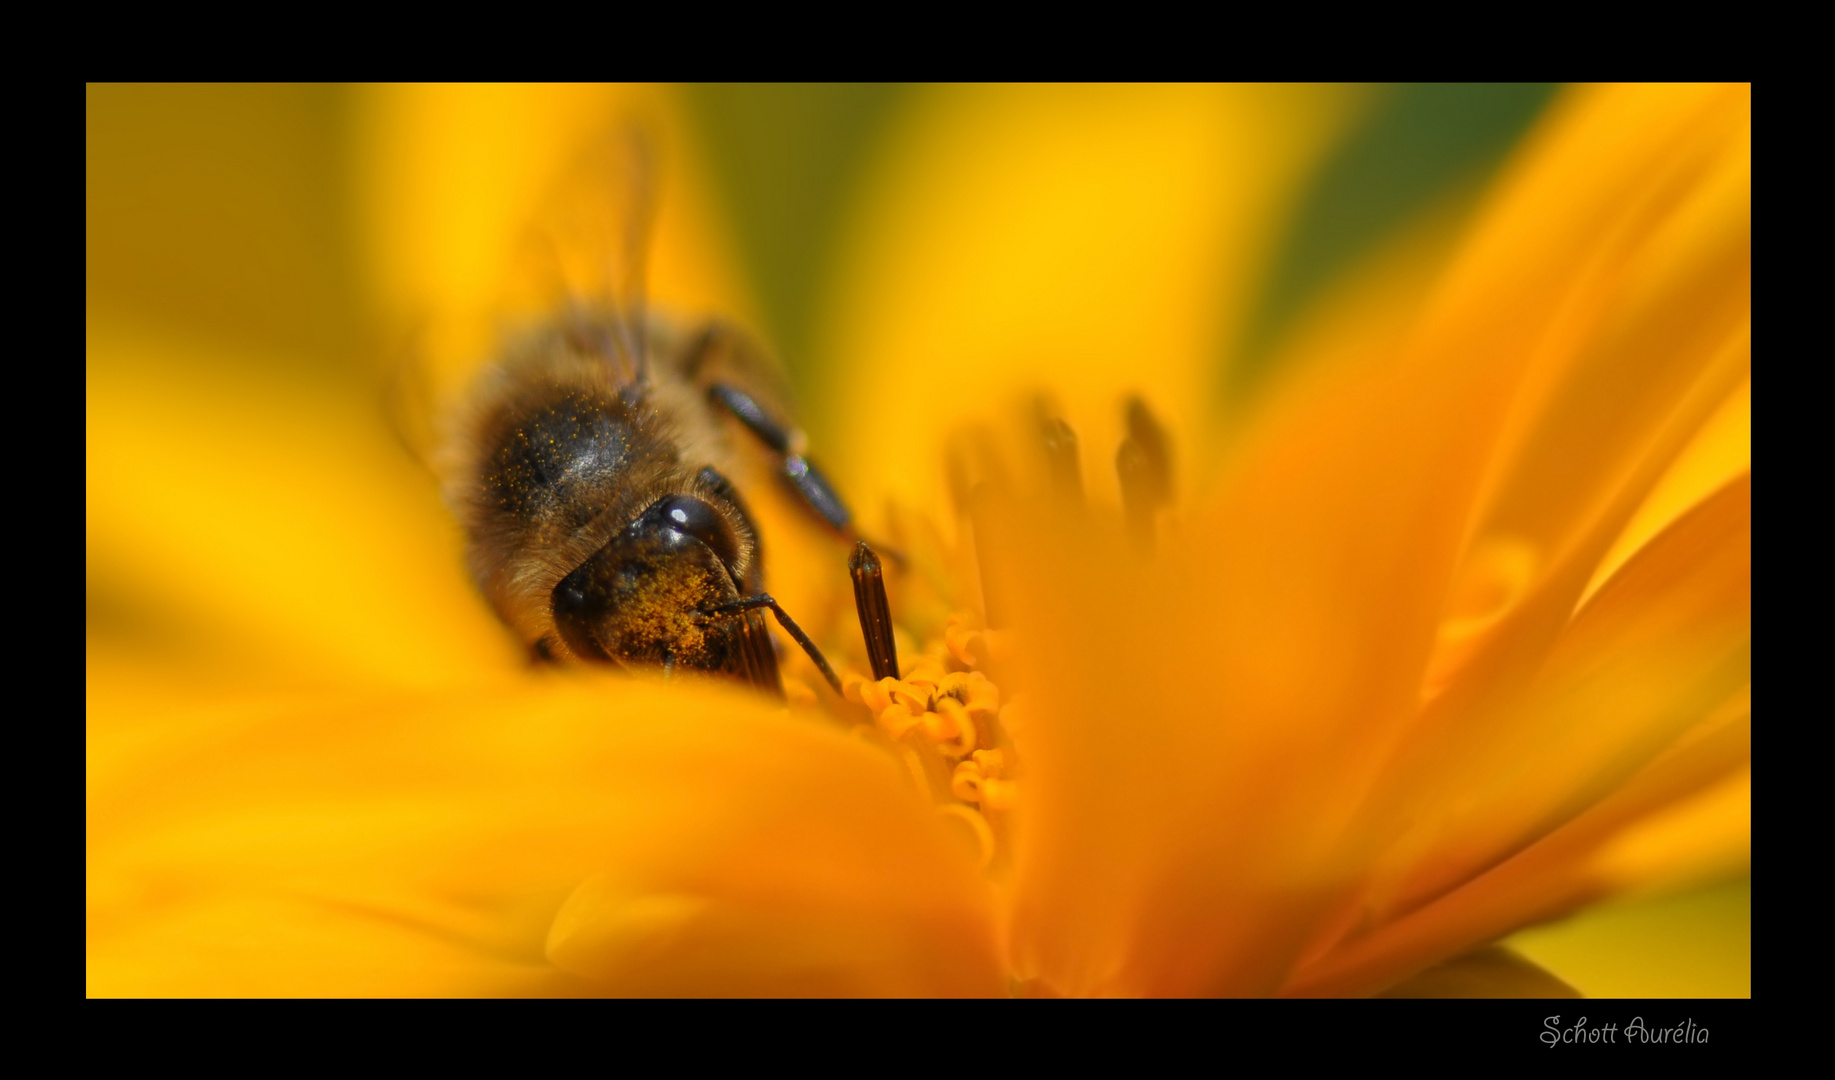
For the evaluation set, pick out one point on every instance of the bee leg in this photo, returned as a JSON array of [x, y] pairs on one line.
[[787, 443], [758, 655], [762, 600]]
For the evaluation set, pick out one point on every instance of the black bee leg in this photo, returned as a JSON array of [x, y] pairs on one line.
[[751, 603], [787, 442]]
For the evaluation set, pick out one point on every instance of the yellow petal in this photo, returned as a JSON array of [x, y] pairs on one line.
[[1645, 329], [242, 526], [454, 177], [1634, 314], [1630, 767], [1720, 451], [425, 844], [1086, 241], [1658, 647]]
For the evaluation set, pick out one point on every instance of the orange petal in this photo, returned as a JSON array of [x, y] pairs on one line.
[[1211, 724], [1720, 451], [430, 844], [1575, 866], [1662, 643], [1646, 332], [1602, 244], [1582, 798], [1167, 840]]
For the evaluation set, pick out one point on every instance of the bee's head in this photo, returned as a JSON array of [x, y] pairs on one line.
[[639, 600]]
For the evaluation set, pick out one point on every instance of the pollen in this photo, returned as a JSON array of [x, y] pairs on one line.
[[942, 718]]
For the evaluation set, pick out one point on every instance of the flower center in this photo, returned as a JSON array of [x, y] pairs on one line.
[[941, 718], [937, 709]]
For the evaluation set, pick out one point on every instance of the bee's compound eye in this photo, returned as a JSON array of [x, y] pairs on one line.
[[570, 594], [675, 519], [578, 600]]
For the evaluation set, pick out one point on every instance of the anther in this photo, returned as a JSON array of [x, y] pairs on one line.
[[1060, 443], [1137, 504], [1156, 449], [1144, 465], [875, 612]]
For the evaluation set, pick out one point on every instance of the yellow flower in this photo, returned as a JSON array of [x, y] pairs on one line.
[[1448, 635]]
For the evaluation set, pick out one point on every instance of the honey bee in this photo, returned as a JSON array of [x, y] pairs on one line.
[[590, 472]]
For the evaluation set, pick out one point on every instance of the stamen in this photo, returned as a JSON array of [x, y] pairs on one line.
[[1146, 432], [875, 613], [915, 769], [965, 784], [1136, 487], [855, 688], [981, 518], [1060, 442], [896, 720], [1144, 464], [941, 721], [950, 728], [979, 781], [913, 696]]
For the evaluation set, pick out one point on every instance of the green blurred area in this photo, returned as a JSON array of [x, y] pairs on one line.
[[1691, 944], [1416, 146], [224, 214], [786, 158]]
